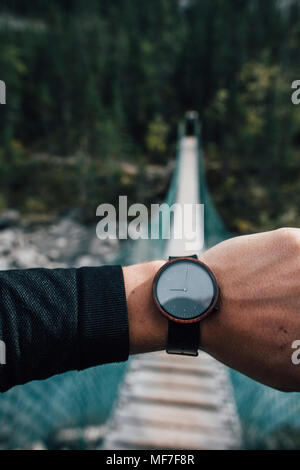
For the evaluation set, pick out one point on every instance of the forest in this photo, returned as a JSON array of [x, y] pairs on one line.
[[93, 85]]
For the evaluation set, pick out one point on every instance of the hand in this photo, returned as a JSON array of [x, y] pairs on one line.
[[259, 317]]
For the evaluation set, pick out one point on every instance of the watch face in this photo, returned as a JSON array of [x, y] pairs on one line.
[[185, 290]]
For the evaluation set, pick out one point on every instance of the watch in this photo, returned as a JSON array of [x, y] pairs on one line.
[[185, 291]]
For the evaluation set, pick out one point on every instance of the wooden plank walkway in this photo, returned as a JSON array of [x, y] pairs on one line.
[[176, 402]]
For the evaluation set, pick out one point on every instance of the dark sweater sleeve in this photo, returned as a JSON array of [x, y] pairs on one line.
[[55, 320]]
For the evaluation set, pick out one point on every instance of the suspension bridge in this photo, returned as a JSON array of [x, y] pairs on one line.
[[171, 402], [155, 401]]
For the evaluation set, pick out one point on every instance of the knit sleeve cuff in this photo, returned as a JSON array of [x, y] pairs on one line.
[[102, 316]]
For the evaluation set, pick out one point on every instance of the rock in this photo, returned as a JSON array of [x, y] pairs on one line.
[[8, 239], [29, 257], [54, 254], [4, 264], [87, 260], [67, 227], [100, 247], [9, 218], [63, 244]]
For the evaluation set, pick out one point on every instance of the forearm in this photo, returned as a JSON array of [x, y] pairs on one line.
[[52, 321], [57, 320]]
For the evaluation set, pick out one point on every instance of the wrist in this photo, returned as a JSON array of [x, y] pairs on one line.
[[212, 331], [148, 329]]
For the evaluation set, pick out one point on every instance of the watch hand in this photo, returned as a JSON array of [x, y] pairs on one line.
[[179, 290], [186, 275]]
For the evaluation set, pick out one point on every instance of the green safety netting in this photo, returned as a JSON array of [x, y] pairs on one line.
[[35, 411]]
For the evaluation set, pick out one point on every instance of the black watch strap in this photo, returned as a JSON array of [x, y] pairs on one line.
[[183, 338]]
